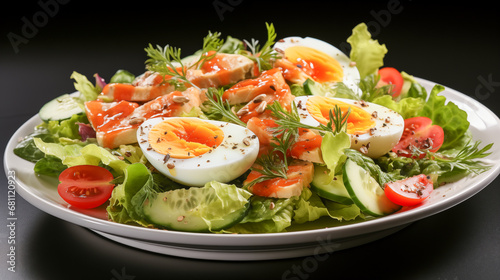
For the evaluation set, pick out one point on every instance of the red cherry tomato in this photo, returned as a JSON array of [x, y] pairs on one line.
[[391, 76], [85, 186], [410, 191], [421, 134]]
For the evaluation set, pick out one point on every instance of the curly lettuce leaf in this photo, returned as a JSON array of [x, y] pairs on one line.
[[76, 154], [452, 119], [67, 128], [366, 52], [407, 107]]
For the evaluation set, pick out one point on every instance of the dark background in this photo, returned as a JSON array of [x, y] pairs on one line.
[[453, 44]]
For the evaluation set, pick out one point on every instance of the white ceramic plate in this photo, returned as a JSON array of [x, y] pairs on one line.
[[315, 238]]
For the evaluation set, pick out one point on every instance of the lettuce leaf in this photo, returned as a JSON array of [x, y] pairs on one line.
[[67, 128], [407, 107], [366, 52], [309, 208], [127, 199], [123, 77], [452, 119], [76, 154], [332, 149], [87, 90]]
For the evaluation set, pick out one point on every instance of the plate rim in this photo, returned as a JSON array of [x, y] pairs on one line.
[[282, 238]]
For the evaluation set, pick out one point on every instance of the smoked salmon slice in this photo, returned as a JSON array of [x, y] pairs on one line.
[[221, 70], [299, 176], [116, 123], [270, 86]]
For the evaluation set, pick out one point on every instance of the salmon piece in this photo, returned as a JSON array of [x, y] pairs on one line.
[[299, 176], [270, 86], [263, 129], [291, 72], [116, 123], [308, 147], [221, 70], [146, 87]]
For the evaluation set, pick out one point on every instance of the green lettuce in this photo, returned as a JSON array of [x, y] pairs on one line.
[[332, 150], [266, 215], [88, 91], [127, 199], [452, 119], [311, 207], [366, 52], [123, 77], [26, 149], [407, 107], [67, 128], [76, 154]]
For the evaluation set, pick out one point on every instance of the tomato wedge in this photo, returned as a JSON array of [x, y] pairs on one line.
[[420, 133], [410, 191], [391, 76], [85, 186]]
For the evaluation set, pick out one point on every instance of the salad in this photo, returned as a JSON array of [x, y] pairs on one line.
[[243, 137]]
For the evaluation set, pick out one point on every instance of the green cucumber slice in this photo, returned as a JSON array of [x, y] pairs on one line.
[[365, 191], [333, 190], [198, 209], [60, 108], [311, 88]]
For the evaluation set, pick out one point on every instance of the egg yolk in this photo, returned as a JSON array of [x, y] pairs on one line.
[[317, 64], [184, 138], [359, 121]]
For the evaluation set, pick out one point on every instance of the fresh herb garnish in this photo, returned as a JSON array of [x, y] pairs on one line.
[[291, 120], [265, 56], [271, 166], [465, 159], [214, 97], [168, 61]]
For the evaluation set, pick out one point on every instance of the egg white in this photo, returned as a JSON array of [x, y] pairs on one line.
[[229, 160], [351, 74], [389, 126]]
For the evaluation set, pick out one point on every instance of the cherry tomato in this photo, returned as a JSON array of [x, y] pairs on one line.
[[421, 134], [409, 191], [85, 186], [391, 76]]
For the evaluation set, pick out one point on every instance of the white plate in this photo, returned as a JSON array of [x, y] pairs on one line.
[[319, 237]]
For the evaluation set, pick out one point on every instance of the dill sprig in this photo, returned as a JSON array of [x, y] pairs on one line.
[[291, 120], [168, 62], [211, 43], [265, 56], [466, 159], [222, 107], [271, 166]]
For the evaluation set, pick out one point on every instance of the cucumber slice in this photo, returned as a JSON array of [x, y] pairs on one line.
[[60, 108], [333, 190], [312, 88], [198, 209], [365, 191]]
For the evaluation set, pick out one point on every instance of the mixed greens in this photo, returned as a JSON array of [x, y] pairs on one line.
[[57, 144]]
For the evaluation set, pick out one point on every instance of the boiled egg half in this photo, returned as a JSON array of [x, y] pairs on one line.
[[193, 151], [320, 60], [374, 129]]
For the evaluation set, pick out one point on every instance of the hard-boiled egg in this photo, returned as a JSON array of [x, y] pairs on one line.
[[324, 62], [374, 129], [193, 151]]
